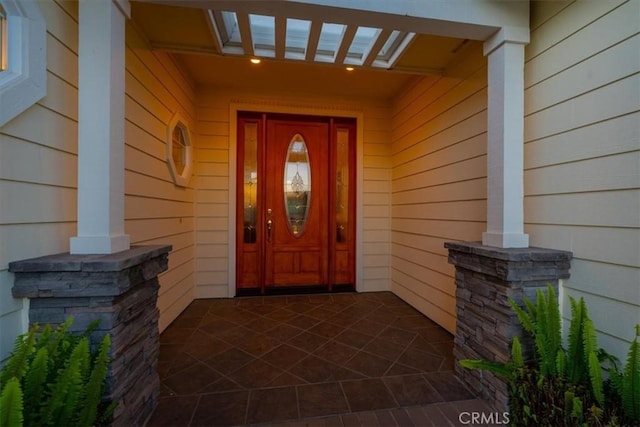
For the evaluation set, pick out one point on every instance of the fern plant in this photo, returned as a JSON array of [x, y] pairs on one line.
[[11, 404], [52, 379], [506, 370], [566, 385], [542, 321], [627, 382]]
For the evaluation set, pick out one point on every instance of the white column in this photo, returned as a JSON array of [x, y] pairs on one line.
[[101, 128], [505, 140]]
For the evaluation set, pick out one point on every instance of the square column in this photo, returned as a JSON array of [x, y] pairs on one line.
[[121, 290], [505, 141], [486, 278], [101, 128]]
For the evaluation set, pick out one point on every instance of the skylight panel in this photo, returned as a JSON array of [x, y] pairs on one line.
[[330, 38], [362, 42], [297, 38], [230, 32], [393, 42], [263, 34]]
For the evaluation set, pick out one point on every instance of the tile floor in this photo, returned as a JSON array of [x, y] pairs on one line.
[[342, 359]]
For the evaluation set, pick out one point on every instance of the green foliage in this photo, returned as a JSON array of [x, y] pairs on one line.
[[566, 386], [94, 390], [63, 382], [505, 370], [17, 364], [627, 382], [36, 379], [516, 353], [499, 368], [11, 404], [577, 370]]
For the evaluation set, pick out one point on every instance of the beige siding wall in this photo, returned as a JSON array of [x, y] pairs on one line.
[[582, 153], [216, 150], [438, 182], [38, 168], [38, 179], [156, 210], [211, 178]]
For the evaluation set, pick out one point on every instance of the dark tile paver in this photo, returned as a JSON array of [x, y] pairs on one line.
[[368, 394], [192, 379], [448, 386], [174, 411], [272, 404], [221, 409], [321, 399], [311, 360], [410, 390]]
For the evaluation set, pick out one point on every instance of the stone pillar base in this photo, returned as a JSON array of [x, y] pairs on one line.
[[486, 278], [121, 290]]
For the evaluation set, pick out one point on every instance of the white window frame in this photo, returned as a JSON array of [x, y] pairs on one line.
[[180, 179], [24, 81]]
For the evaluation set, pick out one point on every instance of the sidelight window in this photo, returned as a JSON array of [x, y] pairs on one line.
[[342, 185], [250, 177]]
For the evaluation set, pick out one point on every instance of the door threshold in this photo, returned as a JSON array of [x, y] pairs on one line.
[[295, 290]]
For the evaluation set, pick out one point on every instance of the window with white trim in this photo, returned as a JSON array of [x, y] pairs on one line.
[[23, 72], [179, 150], [3, 39]]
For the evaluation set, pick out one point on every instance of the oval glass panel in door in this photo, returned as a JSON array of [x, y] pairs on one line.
[[297, 185]]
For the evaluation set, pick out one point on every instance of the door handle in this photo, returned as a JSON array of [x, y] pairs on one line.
[[269, 224]]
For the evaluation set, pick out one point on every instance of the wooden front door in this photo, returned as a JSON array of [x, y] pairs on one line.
[[295, 204]]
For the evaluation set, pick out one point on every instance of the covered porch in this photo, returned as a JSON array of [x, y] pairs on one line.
[[439, 158], [89, 172], [439, 149]]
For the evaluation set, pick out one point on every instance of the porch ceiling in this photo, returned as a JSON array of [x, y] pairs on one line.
[[305, 47]]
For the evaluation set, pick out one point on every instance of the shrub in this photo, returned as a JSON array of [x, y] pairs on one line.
[[566, 386], [52, 379]]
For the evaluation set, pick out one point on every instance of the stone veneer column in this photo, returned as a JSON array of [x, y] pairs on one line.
[[486, 278], [121, 290]]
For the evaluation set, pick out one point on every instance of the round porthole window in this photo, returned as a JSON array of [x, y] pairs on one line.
[[179, 150]]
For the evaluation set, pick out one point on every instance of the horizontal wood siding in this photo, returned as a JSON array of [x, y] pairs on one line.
[[582, 154], [212, 183], [212, 197], [438, 182], [156, 210], [38, 178], [38, 168]]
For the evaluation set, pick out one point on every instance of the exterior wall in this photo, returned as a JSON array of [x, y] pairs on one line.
[[38, 168], [211, 177], [38, 174], [582, 154], [216, 151], [156, 210], [439, 182]]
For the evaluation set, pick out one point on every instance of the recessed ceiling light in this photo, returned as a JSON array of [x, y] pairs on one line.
[[350, 68], [255, 60]]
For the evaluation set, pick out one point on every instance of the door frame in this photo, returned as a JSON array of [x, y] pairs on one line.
[[234, 108]]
